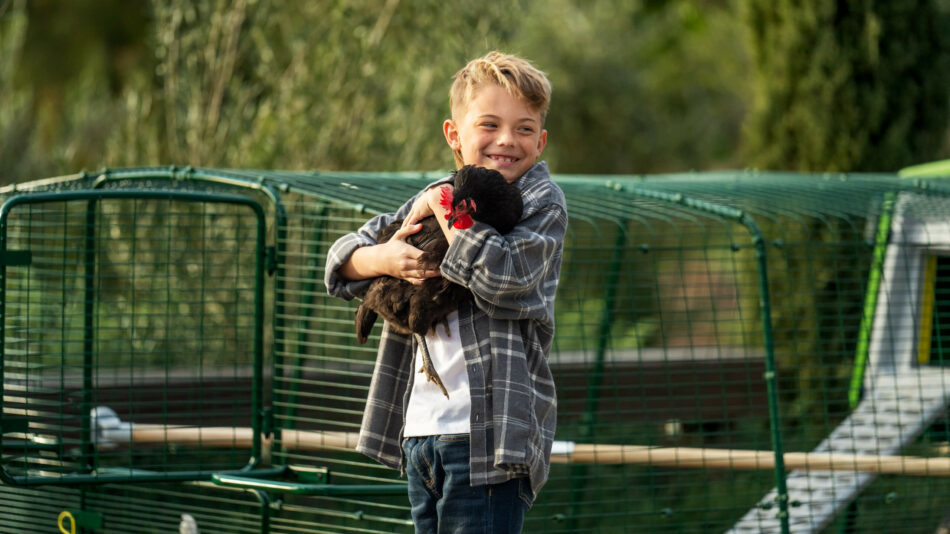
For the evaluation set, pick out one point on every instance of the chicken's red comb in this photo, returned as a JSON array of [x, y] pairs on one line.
[[447, 197]]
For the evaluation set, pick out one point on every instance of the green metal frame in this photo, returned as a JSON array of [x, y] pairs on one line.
[[282, 479], [92, 197]]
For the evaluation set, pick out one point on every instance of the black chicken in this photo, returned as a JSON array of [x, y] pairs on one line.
[[480, 194]]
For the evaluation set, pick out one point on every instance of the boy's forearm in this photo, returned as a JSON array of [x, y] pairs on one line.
[[362, 264]]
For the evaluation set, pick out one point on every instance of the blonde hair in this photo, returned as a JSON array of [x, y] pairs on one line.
[[517, 76]]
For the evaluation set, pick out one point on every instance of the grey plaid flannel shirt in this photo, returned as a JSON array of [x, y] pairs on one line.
[[506, 337]]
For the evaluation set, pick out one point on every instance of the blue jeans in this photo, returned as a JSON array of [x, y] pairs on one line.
[[442, 499]]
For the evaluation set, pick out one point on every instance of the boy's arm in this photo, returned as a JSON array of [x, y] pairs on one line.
[[511, 276], [395, 258], [341, 252], [356, 258]]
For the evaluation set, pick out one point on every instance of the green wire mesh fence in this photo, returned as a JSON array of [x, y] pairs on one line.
[[736, 352], [115, 303]]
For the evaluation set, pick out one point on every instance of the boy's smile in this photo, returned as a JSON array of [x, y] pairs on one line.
[[497, 131]]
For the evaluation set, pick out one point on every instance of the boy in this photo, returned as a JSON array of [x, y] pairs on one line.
[[476, 461]]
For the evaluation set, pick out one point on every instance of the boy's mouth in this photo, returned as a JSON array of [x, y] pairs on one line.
[[502, 159]]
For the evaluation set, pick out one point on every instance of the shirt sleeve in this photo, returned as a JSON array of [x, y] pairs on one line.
[[511, 276]]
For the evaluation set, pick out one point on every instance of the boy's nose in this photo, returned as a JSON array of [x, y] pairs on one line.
[[504, 138]]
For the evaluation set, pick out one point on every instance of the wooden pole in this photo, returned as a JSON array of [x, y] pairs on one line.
[[689, 457], [239, 438], [577, 453]]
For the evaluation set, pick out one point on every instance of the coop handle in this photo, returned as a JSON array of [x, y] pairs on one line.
[[65, 514]]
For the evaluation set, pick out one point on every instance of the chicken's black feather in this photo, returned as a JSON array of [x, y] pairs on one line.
[[417, 309]]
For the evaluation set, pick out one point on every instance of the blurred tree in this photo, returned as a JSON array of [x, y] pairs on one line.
[[848, 86], [14, 104], [63, 64], [640, 86], [360, 85]]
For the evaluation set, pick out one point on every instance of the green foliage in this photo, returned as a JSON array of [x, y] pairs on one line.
[[14, 105], [359, 85], [331, 85], [640, 86], [848, 86]]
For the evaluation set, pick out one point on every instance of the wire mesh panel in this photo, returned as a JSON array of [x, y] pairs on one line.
[[155, 508], [131, 331], [654, 347], [735, 352], [707, 324], [321, 374]]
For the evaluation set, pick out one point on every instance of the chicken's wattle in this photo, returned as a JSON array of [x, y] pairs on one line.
[[463, 222]]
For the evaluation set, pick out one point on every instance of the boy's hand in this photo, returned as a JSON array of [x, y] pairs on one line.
[[427, 204], [399, 259]]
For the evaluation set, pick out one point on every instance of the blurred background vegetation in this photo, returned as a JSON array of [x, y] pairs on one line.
[[641, 86]]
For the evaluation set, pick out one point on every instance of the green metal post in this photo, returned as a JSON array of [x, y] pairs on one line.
[[771, 378], [3, 324], [870, 299], [88, 338], [579, 472], [257, 392]]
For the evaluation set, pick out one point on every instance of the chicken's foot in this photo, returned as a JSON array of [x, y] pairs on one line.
[[427, 368]]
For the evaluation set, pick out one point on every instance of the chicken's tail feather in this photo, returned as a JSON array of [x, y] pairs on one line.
[[365, 319]]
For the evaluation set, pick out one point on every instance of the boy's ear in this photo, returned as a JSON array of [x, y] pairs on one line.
[[542, 141], [451, 134]]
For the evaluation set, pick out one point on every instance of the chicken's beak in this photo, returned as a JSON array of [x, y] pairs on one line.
[[465, 207]]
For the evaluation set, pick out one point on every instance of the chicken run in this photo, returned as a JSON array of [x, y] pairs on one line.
[[736, 352]]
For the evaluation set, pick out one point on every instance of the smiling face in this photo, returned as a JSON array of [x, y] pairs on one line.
[[497, 131]]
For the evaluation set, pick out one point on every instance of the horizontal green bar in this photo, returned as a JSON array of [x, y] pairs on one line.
[[10, 425], [12, 258], [297, 488], [116, 475], [23, 445]]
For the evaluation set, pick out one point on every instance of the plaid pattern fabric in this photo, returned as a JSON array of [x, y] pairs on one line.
[[506, 336]]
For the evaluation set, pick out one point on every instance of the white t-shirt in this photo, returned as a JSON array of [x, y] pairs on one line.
[[429, 413]]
